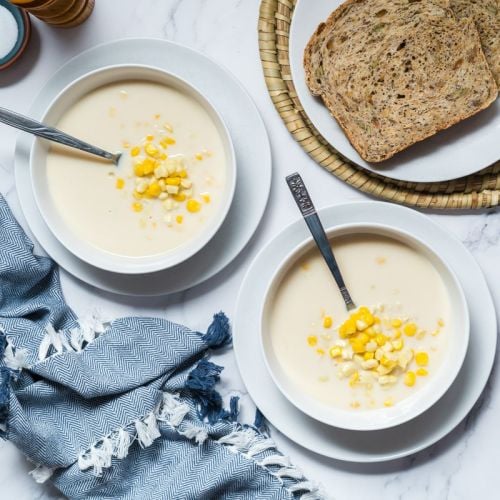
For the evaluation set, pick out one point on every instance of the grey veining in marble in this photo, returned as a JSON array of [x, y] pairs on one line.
[[462, 466]]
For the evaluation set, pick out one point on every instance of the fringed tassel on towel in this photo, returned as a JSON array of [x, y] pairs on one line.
[[219, 332], [201, 382]]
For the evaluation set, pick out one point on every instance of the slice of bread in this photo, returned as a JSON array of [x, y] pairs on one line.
[[486, 16], [394, 72]]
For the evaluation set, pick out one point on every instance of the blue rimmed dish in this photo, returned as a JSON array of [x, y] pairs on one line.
[[23, 34]]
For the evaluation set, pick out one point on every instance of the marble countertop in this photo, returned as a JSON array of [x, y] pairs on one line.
[[461, 466]]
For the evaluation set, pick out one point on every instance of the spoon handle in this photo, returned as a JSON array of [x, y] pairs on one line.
[[306, 206], [52, 134]]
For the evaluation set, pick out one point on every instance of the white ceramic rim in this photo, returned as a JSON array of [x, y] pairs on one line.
[[154, 263], [412, 406]]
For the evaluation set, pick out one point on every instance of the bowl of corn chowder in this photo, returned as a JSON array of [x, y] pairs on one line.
[[172, 188], [383, 363]]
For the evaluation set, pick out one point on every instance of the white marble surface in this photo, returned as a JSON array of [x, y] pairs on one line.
[[464, 464]]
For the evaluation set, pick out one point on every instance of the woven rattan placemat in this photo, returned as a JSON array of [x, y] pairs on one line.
[[481, 190]]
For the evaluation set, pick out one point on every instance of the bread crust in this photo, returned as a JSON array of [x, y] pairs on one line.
[[332, 98]]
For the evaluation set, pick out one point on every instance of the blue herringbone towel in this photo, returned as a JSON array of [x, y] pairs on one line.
[[125, 409]]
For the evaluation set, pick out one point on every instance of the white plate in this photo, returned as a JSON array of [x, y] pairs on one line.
[[253, 157], [461, 150], [368, 446]]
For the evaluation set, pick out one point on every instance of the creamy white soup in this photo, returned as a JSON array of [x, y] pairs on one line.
[[168, 185], [377, 355]]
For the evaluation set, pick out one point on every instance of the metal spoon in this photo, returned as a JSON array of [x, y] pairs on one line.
[[52, 134], [305, 204]]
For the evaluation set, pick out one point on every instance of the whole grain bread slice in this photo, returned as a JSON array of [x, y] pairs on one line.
[[486, 16], [394, 72]]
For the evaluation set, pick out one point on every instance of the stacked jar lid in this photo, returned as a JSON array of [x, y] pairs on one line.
[[60, 13]]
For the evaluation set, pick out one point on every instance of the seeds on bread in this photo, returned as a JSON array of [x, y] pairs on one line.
[[486, 16], [394, 72]]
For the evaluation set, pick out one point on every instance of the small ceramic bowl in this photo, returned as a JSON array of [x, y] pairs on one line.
[[23, 34], [84, 250], [411, 406]]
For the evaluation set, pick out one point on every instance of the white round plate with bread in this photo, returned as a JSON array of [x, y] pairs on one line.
[[470, 145]]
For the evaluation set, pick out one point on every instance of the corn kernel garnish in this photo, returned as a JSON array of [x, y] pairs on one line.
[[370, 349], [422, 358], [193, 206], [335, 352], [410, 329], [120, 183], [137, 207], [159, 176], [410, 379], [198, 156], [327, 322], [312, 340]]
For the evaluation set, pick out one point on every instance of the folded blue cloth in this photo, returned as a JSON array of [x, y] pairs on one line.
[[125, 409]]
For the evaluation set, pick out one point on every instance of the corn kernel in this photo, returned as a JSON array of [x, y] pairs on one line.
[[120, 183], [327, 322], [369, 364], [194, 206], [397, 344], [387, 380], [170, 140], [410, 329], [397, 334], [358, 347], [422, 358], [151, 150], [149, 166], [198, 156], [179, 219], [440, 323], [368, 355], [335, 352], [183, 174], [150, 138], [153, 190], [320, 351], [354, 378], [205, 197], [410, 379], [380, 339], [137, 207], [135, 151], [347, 328], [312, 340], [173, 181], [396, 323], [172, 189], [388, 403], [137, 195], [422, 372], [139, 169]]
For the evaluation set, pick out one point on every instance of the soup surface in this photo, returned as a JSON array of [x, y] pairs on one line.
[[381, 353], [168, 185]]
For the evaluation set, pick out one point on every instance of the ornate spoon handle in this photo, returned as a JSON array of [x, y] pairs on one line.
[[52, 134], [306, 206]]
